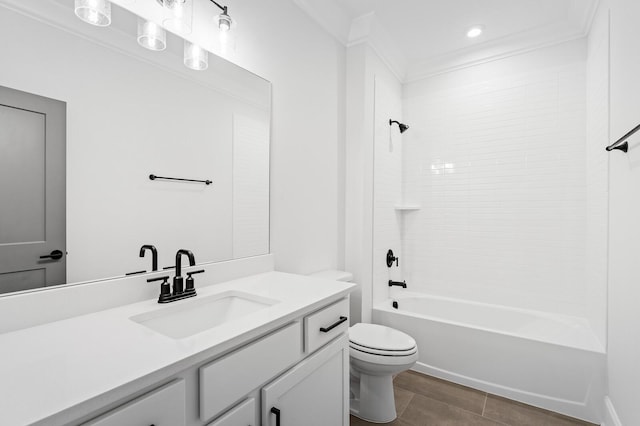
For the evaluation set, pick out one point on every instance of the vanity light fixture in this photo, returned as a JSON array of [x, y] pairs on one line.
[[475, 31], [179, 15], [151, 35], [94, 12], [195, 57], [225, 23]]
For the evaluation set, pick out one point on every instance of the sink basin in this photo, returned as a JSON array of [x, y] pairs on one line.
[[192, 316]]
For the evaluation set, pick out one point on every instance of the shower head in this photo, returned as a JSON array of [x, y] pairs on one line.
[[403, 127]]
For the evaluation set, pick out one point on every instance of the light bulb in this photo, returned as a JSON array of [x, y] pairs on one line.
[[224, 22]]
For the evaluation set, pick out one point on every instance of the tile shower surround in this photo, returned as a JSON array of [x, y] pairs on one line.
[[498, 167]]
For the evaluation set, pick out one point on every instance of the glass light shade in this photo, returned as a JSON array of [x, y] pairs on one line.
[[225, 23], [94, 12], [178, 15], [151, 35], [195, 57]]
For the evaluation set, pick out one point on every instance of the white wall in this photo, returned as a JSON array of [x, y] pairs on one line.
[[597, 173], [307, 68], [624, 211], [497, 152]]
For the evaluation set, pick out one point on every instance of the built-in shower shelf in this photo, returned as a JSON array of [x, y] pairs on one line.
[[407, 207]]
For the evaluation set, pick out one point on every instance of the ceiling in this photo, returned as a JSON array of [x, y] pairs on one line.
[[424, 36]]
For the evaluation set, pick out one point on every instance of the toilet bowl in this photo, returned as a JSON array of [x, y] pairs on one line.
[[376, 354]]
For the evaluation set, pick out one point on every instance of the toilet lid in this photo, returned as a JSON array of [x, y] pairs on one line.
[[381, 338]]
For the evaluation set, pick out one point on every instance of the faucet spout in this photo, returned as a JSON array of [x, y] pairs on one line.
[[154, 255], [179, 254]]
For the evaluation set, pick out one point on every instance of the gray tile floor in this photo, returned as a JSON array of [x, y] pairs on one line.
[[423, 400]]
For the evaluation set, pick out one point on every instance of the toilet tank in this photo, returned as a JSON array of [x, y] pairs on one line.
[[334, 275]]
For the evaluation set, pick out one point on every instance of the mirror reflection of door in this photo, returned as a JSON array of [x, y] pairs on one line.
[[32, 191]]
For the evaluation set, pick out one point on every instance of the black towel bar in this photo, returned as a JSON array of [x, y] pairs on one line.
[[206, 182], [622, 143]]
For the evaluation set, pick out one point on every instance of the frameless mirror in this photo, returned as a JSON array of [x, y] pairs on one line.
[[127, 113]]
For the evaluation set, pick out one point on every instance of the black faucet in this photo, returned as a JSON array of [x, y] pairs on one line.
[[154, 255], [179, 292], [178, 282], [402, 284]]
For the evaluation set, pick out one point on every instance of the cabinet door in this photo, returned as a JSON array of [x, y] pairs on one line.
[[313, 393]]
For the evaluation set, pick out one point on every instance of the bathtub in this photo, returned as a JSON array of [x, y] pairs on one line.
[[550, 361]]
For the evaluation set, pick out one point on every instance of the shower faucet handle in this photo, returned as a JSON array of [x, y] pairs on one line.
[[391, 258]]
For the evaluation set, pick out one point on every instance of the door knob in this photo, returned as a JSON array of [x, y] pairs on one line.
[[54, 255]]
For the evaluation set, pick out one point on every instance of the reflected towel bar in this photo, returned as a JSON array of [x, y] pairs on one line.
[[624, 147], [206, 182]]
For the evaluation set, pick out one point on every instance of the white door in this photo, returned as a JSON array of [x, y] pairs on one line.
[[32, 191], [313, 393]]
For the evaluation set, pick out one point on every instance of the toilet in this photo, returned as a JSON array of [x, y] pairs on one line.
[[376, 354]]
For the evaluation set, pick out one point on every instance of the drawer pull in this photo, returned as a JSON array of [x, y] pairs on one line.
[[276, 411], [332, 326]]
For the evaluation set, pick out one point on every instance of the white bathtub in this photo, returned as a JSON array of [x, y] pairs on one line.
[[550, 361]]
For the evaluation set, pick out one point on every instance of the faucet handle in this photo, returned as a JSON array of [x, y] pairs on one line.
[[190, 283], [165, 289]]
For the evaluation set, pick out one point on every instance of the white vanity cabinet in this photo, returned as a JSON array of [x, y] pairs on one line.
[[298, 368], [313, 391]]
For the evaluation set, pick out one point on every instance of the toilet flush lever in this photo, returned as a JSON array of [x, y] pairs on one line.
[[391, 258]]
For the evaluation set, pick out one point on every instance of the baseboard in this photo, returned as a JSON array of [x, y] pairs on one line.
[[574, 409], [610, 416]]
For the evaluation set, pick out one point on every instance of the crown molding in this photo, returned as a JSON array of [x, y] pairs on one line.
[[494, 50], [363, 29], [366, 29], [330, 17], [582, 16]]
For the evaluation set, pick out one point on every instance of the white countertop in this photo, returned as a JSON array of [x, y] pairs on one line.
[[78, 364]]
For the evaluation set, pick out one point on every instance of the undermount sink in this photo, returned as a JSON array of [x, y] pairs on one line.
[[192, 316]]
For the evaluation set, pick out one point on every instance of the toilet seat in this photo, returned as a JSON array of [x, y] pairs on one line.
[[382, 352], [379, 344]]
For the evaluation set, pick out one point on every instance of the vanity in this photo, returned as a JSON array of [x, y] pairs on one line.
[[276, 353]]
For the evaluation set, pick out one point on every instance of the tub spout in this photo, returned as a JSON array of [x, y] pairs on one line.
[[402, 284]]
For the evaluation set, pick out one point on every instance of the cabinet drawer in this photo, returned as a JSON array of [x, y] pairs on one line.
[[242, 415], [226, 380], [322, 326], [163, 407]]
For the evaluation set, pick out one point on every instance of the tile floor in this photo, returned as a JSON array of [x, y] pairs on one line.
[[423, 400]]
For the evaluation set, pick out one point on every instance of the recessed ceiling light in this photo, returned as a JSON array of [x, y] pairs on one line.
[[475, 31]]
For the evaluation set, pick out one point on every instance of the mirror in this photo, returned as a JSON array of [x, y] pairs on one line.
[[130, 113]]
